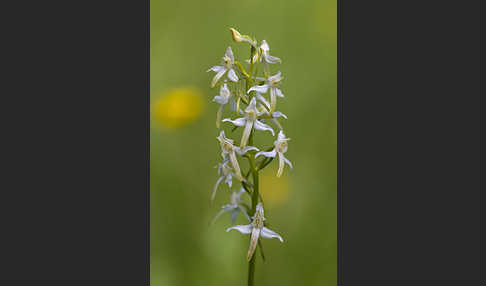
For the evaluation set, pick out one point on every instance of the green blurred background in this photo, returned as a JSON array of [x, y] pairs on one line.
[[187, 38]]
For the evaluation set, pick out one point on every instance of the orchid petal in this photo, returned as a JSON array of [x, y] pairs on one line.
[[267, 233], [245, 229]]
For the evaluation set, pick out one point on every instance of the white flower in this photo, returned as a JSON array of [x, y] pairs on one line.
[[250, 120], [226, 66], [272, 83], [263, 53], [228, 149], [223, 98], [235, 206], [266, 56], [224, 172], [256, 229], [280, 148]]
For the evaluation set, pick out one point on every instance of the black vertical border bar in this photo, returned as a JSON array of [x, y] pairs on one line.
[[339, 142], [147, 148]]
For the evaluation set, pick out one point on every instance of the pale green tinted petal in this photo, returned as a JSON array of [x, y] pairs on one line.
[[270, 154], [245, 229], [217, 77], [279, 92], [255, 234], [281, 136], [272, 60], [279, 114], [281, 164], [264, 46], [263, 99], [275, 77], [237, 122], [246, 133], [236, 166], [267, 233], [232, 75], [242, 151], [261, 126]]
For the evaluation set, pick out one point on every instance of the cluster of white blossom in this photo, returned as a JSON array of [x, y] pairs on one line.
[[244, 87]]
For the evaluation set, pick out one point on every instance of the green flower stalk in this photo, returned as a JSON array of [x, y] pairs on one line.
[[246, 98]]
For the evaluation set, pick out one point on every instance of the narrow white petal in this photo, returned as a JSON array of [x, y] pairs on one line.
[[242, 151], [246, 133], [216, 187], [237, 122], [255, 234], [245, 229], [270, 154], [259, 88], [287, 161], [281, 136], [217, 77], [279, 92], [267, 233], [244, 212], [229, 53], [216, 69], [272, 60], [275, 77], [251, 106], [232, 75], [279, 114], [218, 215], [264, 127], [262, 99]]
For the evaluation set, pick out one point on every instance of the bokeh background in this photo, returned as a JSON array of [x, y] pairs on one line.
[[187, 38]]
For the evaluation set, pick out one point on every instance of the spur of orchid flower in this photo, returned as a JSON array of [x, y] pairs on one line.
[[257, 229]]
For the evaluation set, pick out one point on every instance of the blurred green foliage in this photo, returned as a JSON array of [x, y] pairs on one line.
[[187, 38]]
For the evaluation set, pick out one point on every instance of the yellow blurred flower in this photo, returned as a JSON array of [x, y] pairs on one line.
[[275, 191], [178, 107]]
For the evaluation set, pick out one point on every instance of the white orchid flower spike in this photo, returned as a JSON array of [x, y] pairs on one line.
[[226, 66], [280, 148], [234, 207], [272, 83], [249, 121], [229, 150], [256, 229]]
